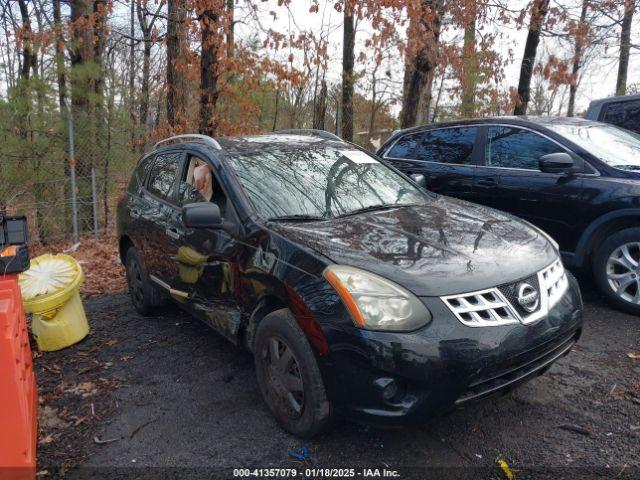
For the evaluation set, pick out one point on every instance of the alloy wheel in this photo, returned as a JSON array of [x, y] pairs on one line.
[[623, 272], [284, 379]]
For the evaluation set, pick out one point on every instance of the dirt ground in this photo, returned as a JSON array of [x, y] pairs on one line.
[[166, 397]]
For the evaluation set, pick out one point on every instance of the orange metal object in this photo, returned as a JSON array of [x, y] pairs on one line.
[[18, 408]]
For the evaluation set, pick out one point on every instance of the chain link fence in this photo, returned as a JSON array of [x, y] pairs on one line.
[[65, 179]]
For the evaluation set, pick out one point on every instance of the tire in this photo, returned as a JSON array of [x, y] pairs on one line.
[[144, 295], [616, 269], [290, 383]]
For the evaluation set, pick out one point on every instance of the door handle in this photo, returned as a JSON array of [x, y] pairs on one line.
[[487, 182], [173, 233]]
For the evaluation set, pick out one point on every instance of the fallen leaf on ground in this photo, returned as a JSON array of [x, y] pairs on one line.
[[48, 418], [633, 356], [86, 389], [504, 467]]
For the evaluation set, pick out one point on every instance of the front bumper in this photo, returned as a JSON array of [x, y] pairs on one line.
[[390, 378]]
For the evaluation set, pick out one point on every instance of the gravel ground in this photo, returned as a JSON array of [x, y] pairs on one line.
[[166, 397]]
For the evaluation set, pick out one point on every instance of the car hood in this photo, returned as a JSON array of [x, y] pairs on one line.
[[445, 247]]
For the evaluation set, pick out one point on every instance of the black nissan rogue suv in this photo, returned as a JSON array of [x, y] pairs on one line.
[[576, 179], [357, 292]]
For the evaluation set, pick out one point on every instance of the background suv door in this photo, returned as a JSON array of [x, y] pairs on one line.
[[550, 201], [447, 157]]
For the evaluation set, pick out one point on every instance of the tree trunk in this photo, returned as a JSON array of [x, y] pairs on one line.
[[421, 62], [132, 73], [29, 58], [146, 26], [176, 53], [275, 111], [57, 25], [577, 59], [469, 74], [625, 48], [348, 58], [538, 13], [320, 110], [209, 67], [230, 28], [85, 82]]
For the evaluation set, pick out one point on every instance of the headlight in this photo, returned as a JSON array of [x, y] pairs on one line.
[[374, 302]]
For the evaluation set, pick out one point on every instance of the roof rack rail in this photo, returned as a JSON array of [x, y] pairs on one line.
[[313, 132], [193, 137]]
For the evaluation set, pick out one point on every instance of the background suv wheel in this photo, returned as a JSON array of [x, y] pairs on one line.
[[289, 377], [617, 269]]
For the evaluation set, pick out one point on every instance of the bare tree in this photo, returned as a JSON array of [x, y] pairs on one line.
[[421, 62], [467, 107], [625, 47], [348, 80], [176, 52], [580, 40], [539, 11], [211, 43], [29, 57]]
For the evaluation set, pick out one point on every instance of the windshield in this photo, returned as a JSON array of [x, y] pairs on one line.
[[617, 147], [320, 183]]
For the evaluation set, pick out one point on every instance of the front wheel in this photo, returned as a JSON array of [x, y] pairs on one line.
[[617, 269], [289, 376]]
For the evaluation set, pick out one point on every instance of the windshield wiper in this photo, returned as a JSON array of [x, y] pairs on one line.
[[375, 208], [296, 218]]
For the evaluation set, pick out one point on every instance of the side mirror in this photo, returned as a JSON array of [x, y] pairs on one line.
[[201, 215], [419, 179], [557, 163]]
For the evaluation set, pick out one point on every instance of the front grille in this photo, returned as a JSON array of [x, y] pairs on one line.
[[481, 309], [500, 306], [510, 291], [518, 373]]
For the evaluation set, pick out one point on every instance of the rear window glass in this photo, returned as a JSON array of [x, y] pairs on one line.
[[448, 145], [405, 147], [623, 114], [162, 179], [140, 174]]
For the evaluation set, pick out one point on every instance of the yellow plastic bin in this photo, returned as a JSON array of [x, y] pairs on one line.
[[51, 292]]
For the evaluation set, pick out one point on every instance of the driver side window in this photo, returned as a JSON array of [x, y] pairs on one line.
[[199, 184]]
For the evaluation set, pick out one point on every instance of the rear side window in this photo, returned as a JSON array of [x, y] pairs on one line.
[[623, 114], [512, 147], [140, 174], [405, 147], [448, 145], [163, 175]]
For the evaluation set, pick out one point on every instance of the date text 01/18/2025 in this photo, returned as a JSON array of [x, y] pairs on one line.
[[316, 473]]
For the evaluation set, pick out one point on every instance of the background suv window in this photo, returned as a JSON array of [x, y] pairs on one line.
[[162, 178], [449, 145], [623, 114], [405, 147], [512, 147]]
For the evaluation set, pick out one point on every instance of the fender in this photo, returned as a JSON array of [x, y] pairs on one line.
[[581, 247]]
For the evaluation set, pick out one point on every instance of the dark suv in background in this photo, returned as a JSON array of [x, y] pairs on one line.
[[356, 290], [578, 180], [623, 111]]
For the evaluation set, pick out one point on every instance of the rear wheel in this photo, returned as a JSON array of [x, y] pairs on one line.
[[143, 295], [289, 376], [617, 269]]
